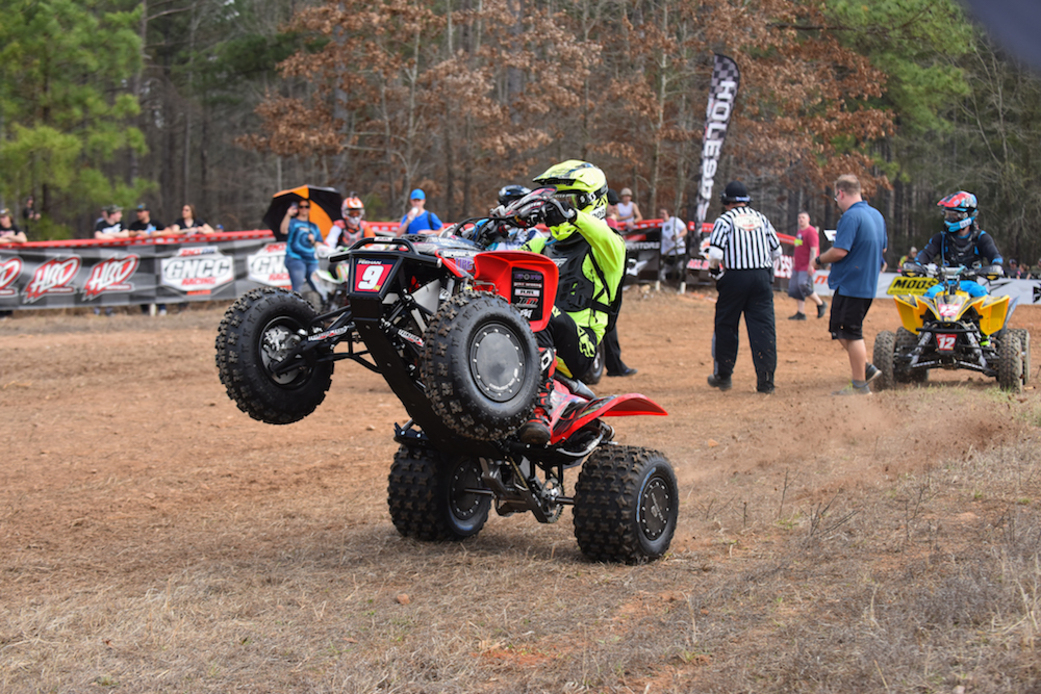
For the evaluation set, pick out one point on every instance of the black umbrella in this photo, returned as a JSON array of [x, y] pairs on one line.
[[325, 207]]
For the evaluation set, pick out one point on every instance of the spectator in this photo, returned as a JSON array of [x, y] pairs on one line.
[[911, 255], [189, 223], [1015, 272], [628, 211], [111, 224], [612, 210], [29, 213], [418, 218], [860, 243], [144, 225], [301, 237], [800, 288], [673, 244], [741, 253], [9, 231]]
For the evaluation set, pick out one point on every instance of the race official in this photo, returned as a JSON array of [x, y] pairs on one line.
[[742, 249]]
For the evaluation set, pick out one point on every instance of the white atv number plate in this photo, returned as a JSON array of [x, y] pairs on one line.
[[945, 343]]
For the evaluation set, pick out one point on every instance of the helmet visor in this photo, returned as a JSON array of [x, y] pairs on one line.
[[954, 216]]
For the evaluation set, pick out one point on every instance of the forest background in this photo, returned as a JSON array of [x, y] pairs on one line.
[[221, 103]]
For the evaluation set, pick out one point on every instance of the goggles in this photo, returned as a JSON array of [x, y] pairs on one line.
[[354, 213], [955, 216]]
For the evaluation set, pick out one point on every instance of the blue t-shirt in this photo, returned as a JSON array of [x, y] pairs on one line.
[[862, 232], [297, 245], [425, 221]]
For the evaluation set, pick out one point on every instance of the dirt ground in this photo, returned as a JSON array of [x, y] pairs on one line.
[[155, 538]]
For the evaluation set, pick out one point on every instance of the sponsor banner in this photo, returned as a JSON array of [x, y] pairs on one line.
[[1019, 291], [722, 94], [69, 274]]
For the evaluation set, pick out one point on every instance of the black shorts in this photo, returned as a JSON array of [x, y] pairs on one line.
[[847, 317]]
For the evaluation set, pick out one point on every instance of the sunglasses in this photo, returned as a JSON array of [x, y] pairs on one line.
[[304, 207]]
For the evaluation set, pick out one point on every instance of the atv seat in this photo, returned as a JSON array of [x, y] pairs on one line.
[[575, 386]]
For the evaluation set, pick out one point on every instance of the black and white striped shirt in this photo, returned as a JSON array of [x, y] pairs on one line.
[[746, 238]]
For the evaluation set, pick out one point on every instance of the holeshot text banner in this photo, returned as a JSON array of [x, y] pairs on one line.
[[722, 94]]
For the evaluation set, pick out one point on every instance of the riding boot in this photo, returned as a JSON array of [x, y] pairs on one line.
[[536, 431]]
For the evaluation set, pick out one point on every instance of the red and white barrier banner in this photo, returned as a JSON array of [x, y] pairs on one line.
[[67, 274]]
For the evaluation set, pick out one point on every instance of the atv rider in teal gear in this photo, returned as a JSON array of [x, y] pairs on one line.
[[590, 257], [962, 243]]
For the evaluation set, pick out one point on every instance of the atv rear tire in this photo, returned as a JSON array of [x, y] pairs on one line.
[[882, 358], [427, 495], [256, 333], [480, 366], [626, 505], [1024, 344], [907, 342], [1010, 362]]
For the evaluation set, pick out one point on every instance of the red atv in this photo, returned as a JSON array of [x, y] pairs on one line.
[[450, 329]]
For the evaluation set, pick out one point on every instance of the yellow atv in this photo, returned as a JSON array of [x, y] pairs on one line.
[[950, 327]]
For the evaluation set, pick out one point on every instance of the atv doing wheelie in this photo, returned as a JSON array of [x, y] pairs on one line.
[[450, 329], [946, 327]]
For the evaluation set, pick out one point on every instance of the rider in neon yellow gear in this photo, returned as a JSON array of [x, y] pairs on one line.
[[590, 257]]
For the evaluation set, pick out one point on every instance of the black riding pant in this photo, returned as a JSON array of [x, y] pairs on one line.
[[748, 292], [575, 346]]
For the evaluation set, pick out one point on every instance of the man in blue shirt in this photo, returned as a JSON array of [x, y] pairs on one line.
[[418, 219], [856, 258]]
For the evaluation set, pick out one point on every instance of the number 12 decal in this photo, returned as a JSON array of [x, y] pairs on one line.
[[945, 343], [370, 278]]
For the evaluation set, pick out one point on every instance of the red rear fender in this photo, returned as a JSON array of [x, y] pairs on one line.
[[526, 280], [569, 420]]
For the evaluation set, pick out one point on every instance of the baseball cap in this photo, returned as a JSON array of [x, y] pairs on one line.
[[4, 212], [418, 194], [141, 207], [113, 208], [612, 197], [625, 191]]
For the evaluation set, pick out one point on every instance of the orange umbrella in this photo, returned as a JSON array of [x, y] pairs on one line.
[[325, 207]]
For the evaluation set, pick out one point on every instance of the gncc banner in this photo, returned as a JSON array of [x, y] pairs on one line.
[[84, 273]]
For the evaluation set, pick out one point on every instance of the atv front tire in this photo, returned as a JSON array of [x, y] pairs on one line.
[[256, 334], [906, 343], [626, 505], [428, 497], [1024, 344], [1010, 362], [480, 366], [882, 358]]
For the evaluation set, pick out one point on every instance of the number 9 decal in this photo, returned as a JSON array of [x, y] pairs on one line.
[[370, 278]]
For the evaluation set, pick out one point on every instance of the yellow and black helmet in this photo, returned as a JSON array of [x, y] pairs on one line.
[[583, 184]]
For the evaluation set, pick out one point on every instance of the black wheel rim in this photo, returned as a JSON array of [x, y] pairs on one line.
[[497, 362], [465, 504], [277, 339], [655, 509]]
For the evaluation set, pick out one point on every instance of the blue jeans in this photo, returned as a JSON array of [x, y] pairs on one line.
[[300, 271]]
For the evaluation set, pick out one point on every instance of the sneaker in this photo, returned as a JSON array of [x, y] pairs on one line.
[[821, 309], [721, 383], [851, 389], [871, 372], [798, 316]]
